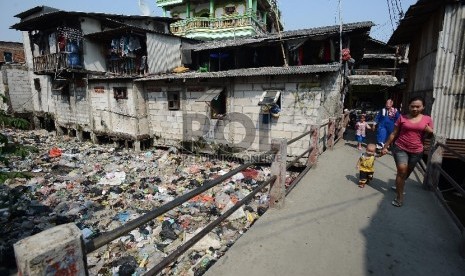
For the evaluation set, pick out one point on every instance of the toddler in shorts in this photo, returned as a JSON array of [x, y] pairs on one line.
[[366, 165]]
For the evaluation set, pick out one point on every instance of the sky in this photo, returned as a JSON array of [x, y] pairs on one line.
[[296, 14]]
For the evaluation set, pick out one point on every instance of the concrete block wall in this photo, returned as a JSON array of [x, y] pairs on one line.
[[165, 125], [302, 100], [72, 110], [16, 85], [114, 116], [300, 106], [43, 98]]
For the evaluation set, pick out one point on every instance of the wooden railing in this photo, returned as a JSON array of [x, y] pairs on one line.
[[51, 62], [123, 66], [377, 72]]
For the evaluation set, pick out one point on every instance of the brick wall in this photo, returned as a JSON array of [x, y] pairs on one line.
[[15, 48]]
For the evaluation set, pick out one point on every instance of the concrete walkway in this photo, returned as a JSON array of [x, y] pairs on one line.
[[329, 226]]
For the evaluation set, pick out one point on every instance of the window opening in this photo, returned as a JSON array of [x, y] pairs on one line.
[[215, 98], [174, 100], [120, 93], [8, 57], [230, 10]]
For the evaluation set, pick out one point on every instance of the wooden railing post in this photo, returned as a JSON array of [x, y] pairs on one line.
[[434, 160], [314, 138], [278, 168], [331, 132]]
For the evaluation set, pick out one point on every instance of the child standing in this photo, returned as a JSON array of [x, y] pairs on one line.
[[360, 134], [366, 165]]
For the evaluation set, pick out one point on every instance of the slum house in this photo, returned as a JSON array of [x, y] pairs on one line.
[[376, 77], [65, 49], [82, 67], [14, 80], [435, 32], [219, 19], [242, 93]]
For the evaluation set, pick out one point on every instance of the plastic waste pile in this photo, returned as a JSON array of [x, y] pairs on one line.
[[100, 187]]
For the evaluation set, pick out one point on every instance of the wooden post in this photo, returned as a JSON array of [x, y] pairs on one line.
[[314, 138], [342, 126], [278, 168], [434, 159], [331, 132], [94, 138], [79, 135], [137, 147]]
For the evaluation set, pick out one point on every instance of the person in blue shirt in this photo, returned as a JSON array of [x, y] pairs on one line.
[[384, 123]]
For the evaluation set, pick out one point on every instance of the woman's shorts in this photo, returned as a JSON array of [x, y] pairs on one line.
[[359, 138], [406, 158]]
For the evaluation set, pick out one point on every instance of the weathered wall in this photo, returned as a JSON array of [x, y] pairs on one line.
[[40, 84], [117, 117], [15, 48], [72, 109], [3, 88], [305, 100], [449, 79], [16, 86]]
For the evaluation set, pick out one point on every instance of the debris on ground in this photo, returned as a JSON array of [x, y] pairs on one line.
[[100, 187]]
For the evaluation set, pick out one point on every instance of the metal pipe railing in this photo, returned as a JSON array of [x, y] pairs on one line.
[[107, 237], [450, 179], [297, 158], [449, 210], [298, 137], [133, 224], [431, 167], [183, 248], [459, 156], [297, 180]]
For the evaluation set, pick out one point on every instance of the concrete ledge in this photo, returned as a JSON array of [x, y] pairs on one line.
[[56, 251]]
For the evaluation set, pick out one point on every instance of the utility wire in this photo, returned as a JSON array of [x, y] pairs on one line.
[[390, 16], [401, 10]]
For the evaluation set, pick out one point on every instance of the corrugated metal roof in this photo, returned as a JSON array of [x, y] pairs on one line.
[[362, 80], [287, 35], [249, 72], [110, 34], [210, 94], [43, 9], [414, 18], [48, 16]]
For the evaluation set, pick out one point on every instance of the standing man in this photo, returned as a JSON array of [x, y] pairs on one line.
[[384, 122]]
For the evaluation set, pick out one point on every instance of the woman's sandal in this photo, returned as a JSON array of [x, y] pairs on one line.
[[396, 203]]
